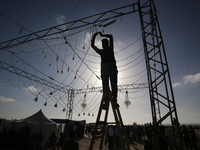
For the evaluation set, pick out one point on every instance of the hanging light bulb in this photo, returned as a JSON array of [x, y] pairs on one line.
[[84, 113], [56, 105], [21, 31], [93, 115], [73, 58], [75, 77], [64, 110], [36, 99], [17, 62], [45, 104], [50, 93], [49, 65], [42, 52], [79, 114], [83, 105], [61, 72], [127, 102], [88, 114], [68, 69]]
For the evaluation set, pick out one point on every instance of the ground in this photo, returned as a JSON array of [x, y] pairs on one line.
[[84, 143]]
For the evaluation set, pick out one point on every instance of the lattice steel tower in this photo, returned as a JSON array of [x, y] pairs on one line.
[[160, 86]]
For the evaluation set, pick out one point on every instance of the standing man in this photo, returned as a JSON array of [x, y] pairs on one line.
[[108, 65]]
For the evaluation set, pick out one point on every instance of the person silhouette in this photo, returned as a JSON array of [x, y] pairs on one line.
[[71, 144], [108, 65]]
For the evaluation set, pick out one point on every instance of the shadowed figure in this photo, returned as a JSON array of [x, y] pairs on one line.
[[108, 65], [71, 144]]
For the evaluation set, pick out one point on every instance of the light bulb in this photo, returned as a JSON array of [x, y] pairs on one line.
[[36, 99], [21, 31], [55, 105]]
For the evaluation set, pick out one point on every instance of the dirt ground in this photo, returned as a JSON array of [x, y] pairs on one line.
[[84, 143]]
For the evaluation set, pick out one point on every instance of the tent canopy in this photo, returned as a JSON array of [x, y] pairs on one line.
[[38, 117]]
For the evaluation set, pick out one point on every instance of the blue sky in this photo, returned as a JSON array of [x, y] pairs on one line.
[[180, 30]]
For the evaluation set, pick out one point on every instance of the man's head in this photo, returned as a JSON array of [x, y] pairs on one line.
[[105, 43]]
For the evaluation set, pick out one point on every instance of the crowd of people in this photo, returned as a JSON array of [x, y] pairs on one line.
[[24, 139], [189, 137], [145, 135]]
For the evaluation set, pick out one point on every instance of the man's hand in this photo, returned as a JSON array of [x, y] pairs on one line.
[[95, 34], [100, 34]]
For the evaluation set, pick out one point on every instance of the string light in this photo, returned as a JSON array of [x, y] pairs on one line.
[[45, 104], [36, 99], [21, 31]]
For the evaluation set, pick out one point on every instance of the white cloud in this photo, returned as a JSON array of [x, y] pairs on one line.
[[32, 89], [61, 19], [177, 84], [4, 99], [190, 79]]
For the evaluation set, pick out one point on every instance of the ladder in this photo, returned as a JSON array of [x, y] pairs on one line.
[[124, 144]]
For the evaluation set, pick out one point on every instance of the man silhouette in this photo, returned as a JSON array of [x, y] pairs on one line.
[[108, 65]]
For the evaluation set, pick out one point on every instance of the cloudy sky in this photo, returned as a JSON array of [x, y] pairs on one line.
[[77, 66]]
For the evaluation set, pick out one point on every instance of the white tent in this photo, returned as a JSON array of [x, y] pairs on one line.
[[37, 118], [38, 122]]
